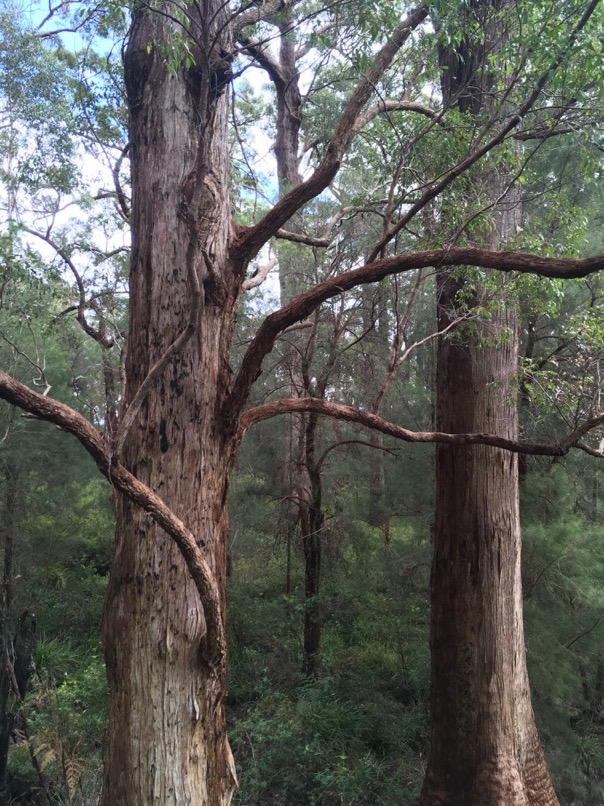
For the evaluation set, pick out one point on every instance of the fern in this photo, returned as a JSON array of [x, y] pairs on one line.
[[72, 773]]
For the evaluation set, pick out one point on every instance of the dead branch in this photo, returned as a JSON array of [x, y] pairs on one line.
[[300, 237], [260, 275]]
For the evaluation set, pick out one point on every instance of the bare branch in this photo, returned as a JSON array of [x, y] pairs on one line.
[[324, 240], [367, 419], [394, 361], [71, 421], [397, 360], [122, 205], [543, 133], [590, 451], [303, 50], [585, 631], [242, 18], [260, 276], [303, 305], [41, 379], [300, 237], [251, 239], [264, 59], [579, 432], [343, 442], [394, 106]]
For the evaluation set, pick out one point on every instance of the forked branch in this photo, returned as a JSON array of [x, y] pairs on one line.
[[253, 238], [252, 13], [304, 304]]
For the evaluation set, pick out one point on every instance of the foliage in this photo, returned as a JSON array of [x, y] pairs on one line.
[[563, 570], [357, 732]]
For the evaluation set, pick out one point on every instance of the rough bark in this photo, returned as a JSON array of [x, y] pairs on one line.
[[166, 740], [164, 615], [484, 746]]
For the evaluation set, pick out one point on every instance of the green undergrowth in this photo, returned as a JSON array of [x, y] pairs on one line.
[[355, 733]]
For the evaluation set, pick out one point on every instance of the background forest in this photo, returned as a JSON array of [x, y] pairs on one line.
[[328, 625]]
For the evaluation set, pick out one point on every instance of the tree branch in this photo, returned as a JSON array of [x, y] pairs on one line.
[[122, 205], [324, 240], [242, 18], [590, 451], [71, 421], [260, 276], [339, 411], [99, 335], [344, 442], [586, 631], [300, 237], [251, 239], [304, 304], [394, 106], [264, 59]]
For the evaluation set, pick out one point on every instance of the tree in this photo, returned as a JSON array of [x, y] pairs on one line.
[[183, 415], [489, 753]]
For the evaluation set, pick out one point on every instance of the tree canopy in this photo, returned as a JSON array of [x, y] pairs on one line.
[[215, 215]]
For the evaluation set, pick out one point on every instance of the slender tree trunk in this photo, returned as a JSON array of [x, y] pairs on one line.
[[302, 476], [312, 525], [376, 362], [166, 740], [8, 528], [484, 747]]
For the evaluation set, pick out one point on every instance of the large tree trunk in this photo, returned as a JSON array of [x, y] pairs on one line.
[[166, 741], [484, 747]]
